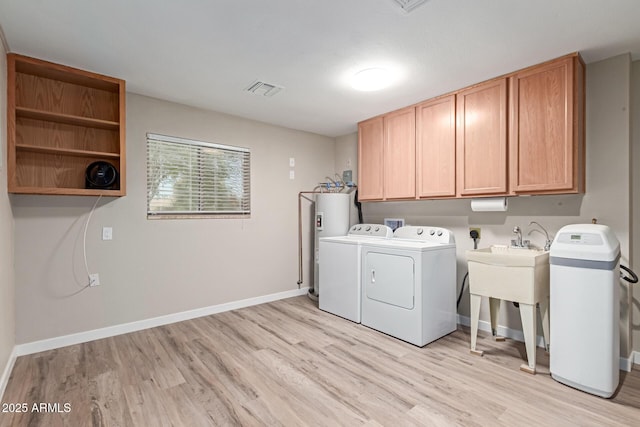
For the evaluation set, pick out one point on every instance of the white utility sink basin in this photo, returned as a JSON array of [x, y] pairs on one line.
[[513, 274], [506, 256]]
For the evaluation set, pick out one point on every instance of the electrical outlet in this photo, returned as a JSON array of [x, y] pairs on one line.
[[94, 279], [476, 229], [107, 233]]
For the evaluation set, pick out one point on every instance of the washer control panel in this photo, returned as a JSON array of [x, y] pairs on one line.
[[425, 233], [375, 230]]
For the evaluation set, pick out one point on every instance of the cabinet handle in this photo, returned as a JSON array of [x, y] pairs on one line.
[[373, 276]]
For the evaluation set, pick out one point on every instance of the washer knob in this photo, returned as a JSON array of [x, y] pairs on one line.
[[432, 232], [377, 229], [368, 228], [359, 228], [420, 231], [439, 232]]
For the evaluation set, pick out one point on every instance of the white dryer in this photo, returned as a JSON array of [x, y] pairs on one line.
[[409, 284], [339, 269]]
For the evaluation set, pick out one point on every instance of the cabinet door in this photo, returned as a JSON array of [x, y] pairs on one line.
[[399, 154], [436, 147], [546, 140], [481, 138], [370, 155]]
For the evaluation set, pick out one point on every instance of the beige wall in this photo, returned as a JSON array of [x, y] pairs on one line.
[[607, 196], [158, 267], [153, 268], [7, 300], [346, 158], [635, 209]]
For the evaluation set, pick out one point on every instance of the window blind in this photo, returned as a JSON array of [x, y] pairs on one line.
[[188, 177]]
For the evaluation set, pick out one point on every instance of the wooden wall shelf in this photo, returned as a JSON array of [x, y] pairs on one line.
[[66, 151], [32, 113], [60, 120]]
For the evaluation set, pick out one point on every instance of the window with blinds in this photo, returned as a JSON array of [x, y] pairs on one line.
[[195, 178]]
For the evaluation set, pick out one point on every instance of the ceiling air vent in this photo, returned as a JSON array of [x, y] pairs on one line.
[[263, 89], [409, 5]]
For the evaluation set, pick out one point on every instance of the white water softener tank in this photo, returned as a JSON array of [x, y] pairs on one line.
[[585, 308], [332, 219]]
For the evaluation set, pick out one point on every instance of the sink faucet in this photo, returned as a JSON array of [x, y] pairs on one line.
[[518, 241], [547, 243]]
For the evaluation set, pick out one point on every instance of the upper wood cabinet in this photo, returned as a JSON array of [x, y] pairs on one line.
[[386, 156], [547, 128], [522, 133], [399, 154], [436, 148], [482, 139], [370, 159], [60, 120]]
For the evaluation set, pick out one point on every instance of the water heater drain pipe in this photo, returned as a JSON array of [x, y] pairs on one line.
[[301, 195]]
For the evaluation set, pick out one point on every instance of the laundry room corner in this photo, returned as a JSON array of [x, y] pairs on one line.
[[608, 197]]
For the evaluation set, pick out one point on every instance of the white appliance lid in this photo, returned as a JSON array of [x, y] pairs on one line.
[[409, 244], [594, 242]]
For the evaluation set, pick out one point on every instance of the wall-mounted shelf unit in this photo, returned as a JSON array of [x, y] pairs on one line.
[[60, 120]]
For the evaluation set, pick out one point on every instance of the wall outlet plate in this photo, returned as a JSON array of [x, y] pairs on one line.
[[107, 233], [347, 176], [474, 229], [94, 280]]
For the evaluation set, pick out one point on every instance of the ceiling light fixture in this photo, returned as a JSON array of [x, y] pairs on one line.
[[372, 79]]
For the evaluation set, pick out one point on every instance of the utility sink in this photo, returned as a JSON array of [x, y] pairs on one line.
[[506, 256], [513, 274]]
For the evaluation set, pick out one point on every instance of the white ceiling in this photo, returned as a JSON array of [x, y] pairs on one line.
[[204, 53]]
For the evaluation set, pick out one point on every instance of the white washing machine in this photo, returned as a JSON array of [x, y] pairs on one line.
[[409, 284], [339, 269]]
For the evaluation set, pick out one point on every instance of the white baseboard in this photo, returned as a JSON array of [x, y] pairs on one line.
[[6, 373], [626, 364], [110, 331], [513, 334]]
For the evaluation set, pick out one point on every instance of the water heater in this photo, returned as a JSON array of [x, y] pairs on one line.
[[331, 219]]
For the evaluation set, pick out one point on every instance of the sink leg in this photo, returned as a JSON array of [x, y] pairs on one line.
[[475, 317], [494, 310], [544, 312], [528, 317]]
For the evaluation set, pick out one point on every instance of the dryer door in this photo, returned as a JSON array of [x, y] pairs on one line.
[[390, 278]]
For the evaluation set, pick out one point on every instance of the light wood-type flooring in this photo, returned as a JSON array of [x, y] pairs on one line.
[[287, 363]]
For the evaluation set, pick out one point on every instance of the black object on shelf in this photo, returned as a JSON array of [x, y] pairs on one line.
[[102, 175]]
